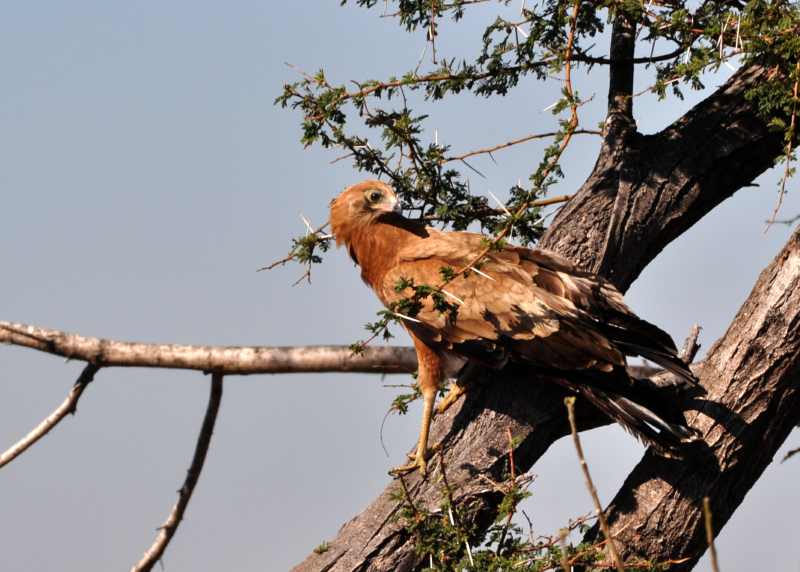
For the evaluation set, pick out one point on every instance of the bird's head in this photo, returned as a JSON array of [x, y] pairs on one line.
[[360, 205]]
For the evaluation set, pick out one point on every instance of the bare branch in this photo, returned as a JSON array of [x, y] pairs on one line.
[[511, 143], [170, 526], [67, 407], [237, 360], [229, 360]]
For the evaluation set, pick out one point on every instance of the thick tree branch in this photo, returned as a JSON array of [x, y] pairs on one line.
[[752, 376], [238, 360], [170, 526], [630, 208], [67, 407], [645, 191]]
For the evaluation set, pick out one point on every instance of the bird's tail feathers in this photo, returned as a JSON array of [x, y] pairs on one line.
[[667, 360], [664, 436], [638, 337]]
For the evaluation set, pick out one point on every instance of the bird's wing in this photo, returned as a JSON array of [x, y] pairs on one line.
[[501, 309], [601, 302]]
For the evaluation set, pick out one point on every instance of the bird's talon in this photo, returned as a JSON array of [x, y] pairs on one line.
[[412, 456], [453, 395], [410, 468]]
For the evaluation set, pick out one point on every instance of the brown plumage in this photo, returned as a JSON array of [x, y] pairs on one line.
[[526, 305]]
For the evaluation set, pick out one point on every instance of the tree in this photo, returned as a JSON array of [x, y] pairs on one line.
[[644, 192]]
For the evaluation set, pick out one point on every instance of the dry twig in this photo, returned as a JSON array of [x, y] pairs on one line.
[[570, 403], [67, 407], [788, 155], [562, 541], [167, 530], [710, 533], [513, 142]]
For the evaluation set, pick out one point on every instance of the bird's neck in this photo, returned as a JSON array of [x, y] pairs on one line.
[[375, 246]]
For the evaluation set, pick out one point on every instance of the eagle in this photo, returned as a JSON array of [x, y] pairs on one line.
[[524, 305]]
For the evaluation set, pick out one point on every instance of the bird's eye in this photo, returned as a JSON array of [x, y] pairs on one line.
[[375, 196]]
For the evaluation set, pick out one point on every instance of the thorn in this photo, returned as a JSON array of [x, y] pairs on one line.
[[481, 273], [499, 202], [737, 43], [551, 106], [307, 223], [473, 168], [409, 318], [453, 296], [421, 57]]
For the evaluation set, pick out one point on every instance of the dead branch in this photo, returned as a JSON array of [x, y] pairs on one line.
[[228, 360], [170, 526], [709, 526], [67, 407]]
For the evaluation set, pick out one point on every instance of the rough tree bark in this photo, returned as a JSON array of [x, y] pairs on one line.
[[752, 376], [643, 192]]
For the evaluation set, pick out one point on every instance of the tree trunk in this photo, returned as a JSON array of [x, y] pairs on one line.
[[643, 193]]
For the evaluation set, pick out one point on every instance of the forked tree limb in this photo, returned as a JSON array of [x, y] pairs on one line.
[[643, 193], [167, 530], [646, 190], [67, 407]]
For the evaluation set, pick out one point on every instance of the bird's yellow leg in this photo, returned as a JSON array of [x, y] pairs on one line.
[[453, 394], [419, 460], [428, 378]]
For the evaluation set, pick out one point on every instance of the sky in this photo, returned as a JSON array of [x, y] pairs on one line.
[[146, 175]]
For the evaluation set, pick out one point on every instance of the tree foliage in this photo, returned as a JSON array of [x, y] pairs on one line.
[[681, 41]]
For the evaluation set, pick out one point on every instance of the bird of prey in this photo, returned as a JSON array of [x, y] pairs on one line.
[[526, 305]]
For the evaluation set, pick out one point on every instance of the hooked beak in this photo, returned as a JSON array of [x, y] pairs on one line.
[[392, 206]]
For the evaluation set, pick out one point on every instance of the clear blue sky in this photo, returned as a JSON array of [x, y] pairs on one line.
[[146, 174]]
